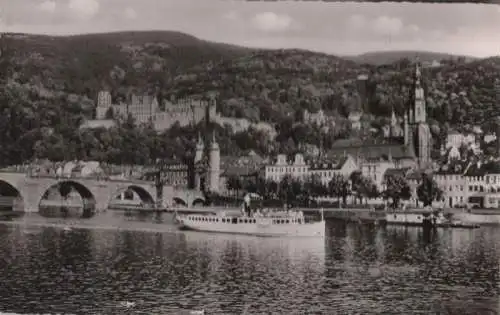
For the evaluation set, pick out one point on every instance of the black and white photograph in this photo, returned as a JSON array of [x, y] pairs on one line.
[[237, 157]]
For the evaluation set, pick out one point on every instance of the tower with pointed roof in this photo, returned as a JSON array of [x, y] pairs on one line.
[[214, 165], [198, 157], [417, 132]]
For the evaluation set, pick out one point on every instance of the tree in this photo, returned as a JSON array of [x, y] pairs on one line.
[[109, 113], [234, 184], [363, 187], [339, 187], [285, 189], [428, 190], [397, 189]]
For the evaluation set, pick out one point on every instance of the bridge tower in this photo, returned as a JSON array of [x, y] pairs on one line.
[[214, 165], [200, 148]]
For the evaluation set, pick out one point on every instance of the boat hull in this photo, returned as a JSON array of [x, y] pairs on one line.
[[264, 228]]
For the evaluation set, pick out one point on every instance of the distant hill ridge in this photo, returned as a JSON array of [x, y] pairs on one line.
[[180, 39], [389, 57]]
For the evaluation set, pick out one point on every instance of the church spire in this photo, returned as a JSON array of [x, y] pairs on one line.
[[418, 73]]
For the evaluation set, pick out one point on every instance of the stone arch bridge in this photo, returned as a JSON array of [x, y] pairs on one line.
[[100, 192]]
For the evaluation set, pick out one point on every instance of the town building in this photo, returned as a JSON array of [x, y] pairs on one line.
[[282, 166], [326, 170], [300, 168], [450, 178], [482, 181]]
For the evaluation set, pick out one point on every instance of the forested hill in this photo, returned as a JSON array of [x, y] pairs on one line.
[[52, 82]]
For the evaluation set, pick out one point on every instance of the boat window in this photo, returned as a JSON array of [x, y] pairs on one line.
[[235, 220], [246, 221], [287, 221], [418, 218], [217, 220]]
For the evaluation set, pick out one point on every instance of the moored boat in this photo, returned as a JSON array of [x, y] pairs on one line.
[[285, 223], [426, 217]]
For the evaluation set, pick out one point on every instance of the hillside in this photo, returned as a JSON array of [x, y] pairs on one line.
[[51, 83], [390, 57]]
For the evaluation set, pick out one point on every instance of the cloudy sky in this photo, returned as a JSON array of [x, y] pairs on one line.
[[339, 28]]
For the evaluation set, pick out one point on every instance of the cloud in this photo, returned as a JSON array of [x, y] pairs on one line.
[[48, 6], [84, 9], [356, 22], [272, 22], [130, 13], [413, 28], [388, 26], [231, 15]]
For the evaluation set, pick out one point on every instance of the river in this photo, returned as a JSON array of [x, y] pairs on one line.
[[103, 262]]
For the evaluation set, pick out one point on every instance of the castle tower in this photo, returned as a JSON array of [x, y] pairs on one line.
[[103, 104], [200, 148], [214, 165]]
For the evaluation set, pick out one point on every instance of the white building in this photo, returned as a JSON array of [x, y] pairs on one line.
[[282, 166], [327, 170]]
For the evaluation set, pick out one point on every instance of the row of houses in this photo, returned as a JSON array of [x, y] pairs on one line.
[[463, 182]]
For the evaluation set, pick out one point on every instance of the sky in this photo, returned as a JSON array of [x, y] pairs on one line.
[[336, 28]]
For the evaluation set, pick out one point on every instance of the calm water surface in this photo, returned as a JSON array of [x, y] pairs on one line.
[[358, 269]]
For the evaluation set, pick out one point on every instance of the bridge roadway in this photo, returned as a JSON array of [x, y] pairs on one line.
[[31, 190]]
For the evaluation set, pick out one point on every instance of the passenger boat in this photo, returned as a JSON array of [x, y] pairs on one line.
[[260, 223]]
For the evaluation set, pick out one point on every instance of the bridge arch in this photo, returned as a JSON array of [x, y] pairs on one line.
[[57, 196], [198, 201], [144, 195], [11, 197], [180, 201]]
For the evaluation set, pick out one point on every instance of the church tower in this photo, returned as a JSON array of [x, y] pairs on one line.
[[418, 122], [214, 166]]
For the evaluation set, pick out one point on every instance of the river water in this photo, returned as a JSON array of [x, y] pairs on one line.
[[103, 262]]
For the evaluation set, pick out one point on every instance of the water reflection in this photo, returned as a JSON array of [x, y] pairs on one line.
[[361, 269]]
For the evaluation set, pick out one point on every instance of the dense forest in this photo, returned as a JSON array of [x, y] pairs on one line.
[[49, 85]]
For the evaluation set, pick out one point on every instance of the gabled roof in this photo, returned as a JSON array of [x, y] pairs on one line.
[[396, 172], [374, 151], [328, 164], [481, 169], [240, 171]]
